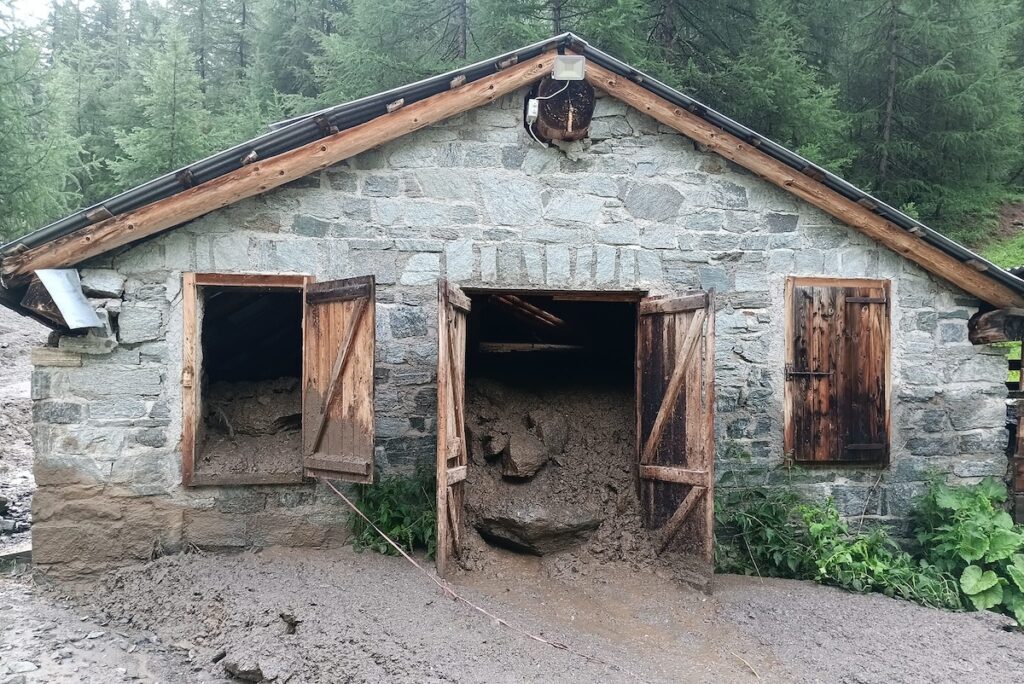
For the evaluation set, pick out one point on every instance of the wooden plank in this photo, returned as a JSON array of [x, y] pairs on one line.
[[190, 385], [356, 466], [708, 450], [457, 299], [254, 280], [452, 453], [672, 392], [337, 371], [319, 293], [813, 322], [674, 304], [53, 357], [849, 212], [265, 175], [338, 389], [510, 347], [457, 474], [669, 530], [1001, 325], [677, 475]]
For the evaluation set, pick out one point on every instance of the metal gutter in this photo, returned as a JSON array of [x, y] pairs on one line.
[[292, 133]]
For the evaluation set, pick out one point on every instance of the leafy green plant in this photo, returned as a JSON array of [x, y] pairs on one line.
[[403, 508], [773, 533], [965, 531]]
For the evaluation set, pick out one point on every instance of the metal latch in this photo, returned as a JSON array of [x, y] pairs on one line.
[[790, 373]]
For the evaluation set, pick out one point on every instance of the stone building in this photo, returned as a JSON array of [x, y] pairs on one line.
[[662, 199]]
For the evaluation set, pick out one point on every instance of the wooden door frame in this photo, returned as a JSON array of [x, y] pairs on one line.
[[191, 367]]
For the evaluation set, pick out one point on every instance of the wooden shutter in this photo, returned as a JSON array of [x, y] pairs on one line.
[[837, 371], [675, 414], [452, 453], [337, 404]]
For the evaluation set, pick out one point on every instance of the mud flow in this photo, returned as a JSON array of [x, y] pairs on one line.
[[551, 425], [251, 421]]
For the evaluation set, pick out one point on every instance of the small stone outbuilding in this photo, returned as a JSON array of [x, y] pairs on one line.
[[271, 316]]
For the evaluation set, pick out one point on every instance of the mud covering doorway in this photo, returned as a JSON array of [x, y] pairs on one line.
[[541, 399]]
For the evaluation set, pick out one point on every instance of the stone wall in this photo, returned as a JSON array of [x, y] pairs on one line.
[[476, 201]]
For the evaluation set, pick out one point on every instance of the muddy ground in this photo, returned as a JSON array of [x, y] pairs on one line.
[[339, 616], [17, 337]]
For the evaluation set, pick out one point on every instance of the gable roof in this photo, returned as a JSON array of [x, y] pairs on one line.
[[302, 145]]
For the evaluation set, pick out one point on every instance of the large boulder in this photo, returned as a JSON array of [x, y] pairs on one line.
[[537, 528], [524, 456]]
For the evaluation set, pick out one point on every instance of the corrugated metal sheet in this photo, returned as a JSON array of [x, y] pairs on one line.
[[293, 133]]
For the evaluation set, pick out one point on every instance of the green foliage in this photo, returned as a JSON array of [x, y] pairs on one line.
[[403, 508], [773, 533], [36, 151], [171, 104], [966, 532]]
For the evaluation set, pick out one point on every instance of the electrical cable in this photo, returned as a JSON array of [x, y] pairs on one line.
[[557, 92]]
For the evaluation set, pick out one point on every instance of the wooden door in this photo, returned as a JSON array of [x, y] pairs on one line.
[[675, 416], [837, 371], [337, 400], [452, 452]]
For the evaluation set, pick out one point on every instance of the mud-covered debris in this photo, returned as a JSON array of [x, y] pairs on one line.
[[244, 668], [525, 456], [552, 428], [538, 529]]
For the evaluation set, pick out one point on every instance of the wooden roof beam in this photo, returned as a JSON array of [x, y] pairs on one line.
[[265, 175], [1001, 325], [806, 188]]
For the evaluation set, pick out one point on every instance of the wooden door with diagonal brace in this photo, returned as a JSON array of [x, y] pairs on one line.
[[452, 450], [675, 422], [337, 400]]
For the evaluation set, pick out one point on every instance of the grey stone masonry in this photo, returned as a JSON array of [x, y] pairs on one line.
[[475, 200]]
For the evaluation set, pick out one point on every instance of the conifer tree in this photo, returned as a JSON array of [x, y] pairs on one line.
[[35, 180], [937, 101], [173, 131]]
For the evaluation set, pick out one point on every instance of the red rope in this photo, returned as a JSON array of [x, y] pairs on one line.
[[450, 592]]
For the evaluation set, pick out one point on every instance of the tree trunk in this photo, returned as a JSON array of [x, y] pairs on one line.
[[889, 104], [556, 16], [461, 28]]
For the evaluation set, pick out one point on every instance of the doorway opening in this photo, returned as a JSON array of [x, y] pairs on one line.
[[572, 427], [250, 427], [550, 418]]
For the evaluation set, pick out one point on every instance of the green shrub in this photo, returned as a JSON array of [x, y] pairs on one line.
[[965, 531], [774, 534], [403, 508]]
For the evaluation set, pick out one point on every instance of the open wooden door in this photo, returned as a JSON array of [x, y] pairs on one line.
[[337, 400], [675, 416], [452, 451]]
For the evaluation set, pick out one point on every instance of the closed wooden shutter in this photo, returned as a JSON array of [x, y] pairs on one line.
[[837, 371], [452, 452], [337, 404], [675, 413]]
